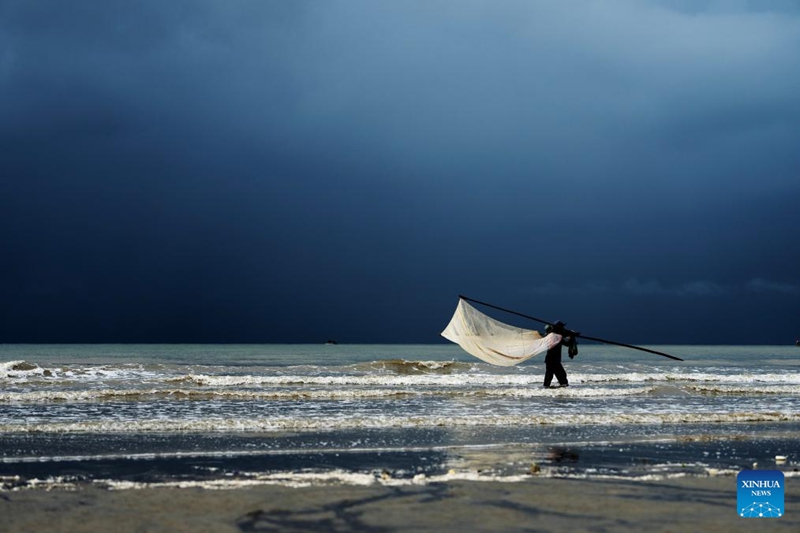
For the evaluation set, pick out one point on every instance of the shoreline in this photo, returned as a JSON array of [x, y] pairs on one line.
[[536, 503], [388, 457]]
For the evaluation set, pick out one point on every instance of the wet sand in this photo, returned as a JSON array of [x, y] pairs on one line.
[[538, 504]]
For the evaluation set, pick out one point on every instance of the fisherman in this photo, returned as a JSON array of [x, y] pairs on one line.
[[553, 358]]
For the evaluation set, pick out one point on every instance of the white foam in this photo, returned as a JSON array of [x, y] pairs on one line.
[[19, 369], [351, 421], [20, 372], [746, 389], [363, 479], [577, 392], [433, 374], [478, 379], [311, 479], [134, 394], [405, 380], [732, 377], [190, 394]]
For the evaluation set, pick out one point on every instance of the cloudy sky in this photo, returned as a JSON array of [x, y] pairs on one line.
[[272, 171]]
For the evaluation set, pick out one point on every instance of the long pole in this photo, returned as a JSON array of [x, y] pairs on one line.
[[596, 339], [503, 309], [630, 346]]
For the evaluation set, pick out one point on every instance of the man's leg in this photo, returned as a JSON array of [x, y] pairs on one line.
[[561, 375], [548, 375]]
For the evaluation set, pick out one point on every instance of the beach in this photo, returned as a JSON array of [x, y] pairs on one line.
[[537, 504], [389, 438]]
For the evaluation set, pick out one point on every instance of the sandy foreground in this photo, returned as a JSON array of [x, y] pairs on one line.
[[538, 504]]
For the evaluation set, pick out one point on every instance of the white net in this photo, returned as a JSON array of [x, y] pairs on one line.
[[492, 341]]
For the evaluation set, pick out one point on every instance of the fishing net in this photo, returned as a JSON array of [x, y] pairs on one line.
[[492, 341]]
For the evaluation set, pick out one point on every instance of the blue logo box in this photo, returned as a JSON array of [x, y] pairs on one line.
[[759, 493]]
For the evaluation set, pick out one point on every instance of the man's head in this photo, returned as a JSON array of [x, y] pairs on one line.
[[559, 326]]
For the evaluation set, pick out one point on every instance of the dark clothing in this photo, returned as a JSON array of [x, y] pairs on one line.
[[553, 361], [554, 367]]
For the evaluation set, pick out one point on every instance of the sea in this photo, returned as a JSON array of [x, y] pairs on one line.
[[227, 416]]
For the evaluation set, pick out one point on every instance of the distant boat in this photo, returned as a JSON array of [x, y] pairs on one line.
[[330, 343]]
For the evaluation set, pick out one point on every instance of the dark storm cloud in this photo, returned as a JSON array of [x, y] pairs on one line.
[[268, 171], [694, 288], [762, 285]]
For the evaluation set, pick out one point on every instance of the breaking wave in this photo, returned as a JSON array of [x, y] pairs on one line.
[[402, 366], [21, 369], [382, 373], [23, 372]]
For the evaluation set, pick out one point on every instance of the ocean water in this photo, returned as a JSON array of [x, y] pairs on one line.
[[222, 416]]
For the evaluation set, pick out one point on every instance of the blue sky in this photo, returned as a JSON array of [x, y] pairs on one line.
[[303, 171]]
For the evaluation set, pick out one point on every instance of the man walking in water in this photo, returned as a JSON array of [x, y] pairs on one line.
[[553, 358]]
